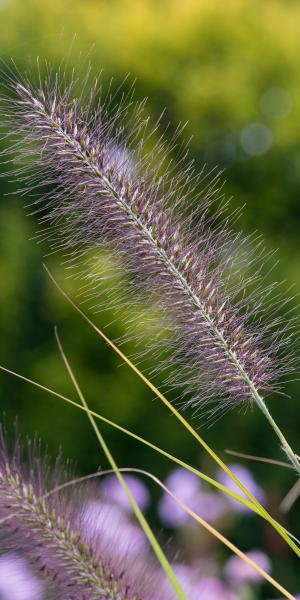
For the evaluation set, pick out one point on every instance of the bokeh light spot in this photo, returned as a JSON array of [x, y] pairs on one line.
[[256, 139]]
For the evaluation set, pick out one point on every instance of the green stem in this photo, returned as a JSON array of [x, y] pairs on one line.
[[284, 443], [139, 515]]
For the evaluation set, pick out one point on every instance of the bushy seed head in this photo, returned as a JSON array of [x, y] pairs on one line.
[[109, 184], [77, 561]]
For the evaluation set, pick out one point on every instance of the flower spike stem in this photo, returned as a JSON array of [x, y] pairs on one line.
[[284, 443]]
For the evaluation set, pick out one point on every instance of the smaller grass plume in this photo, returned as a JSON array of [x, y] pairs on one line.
[[69, 544]]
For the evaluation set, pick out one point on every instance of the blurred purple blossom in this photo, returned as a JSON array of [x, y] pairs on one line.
[[114, 492], [189, 580], [17, 582], [171, 514], [196, 585], [211, 588], [237, 571], [183, 483], [209, 506], [185, 574], [187, 487], [246, 477]]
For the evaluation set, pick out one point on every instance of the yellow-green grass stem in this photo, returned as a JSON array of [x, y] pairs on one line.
[[142, 440], [151, 445], [138, 513]]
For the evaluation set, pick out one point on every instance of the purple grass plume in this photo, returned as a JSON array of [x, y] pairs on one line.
[[79, 552], [109, 184]]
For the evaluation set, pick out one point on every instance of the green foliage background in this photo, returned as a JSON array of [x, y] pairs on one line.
[[209, 63]]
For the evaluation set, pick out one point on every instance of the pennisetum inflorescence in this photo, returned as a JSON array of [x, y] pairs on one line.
[[56, 532], [107, 184]]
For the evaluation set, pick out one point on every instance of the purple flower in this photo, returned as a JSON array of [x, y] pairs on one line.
[[113, 491], [171, 514], [17, 581], [237, 571], [207, 505], [199, 586], [246, 477], [206, 588], [183, 483], [188, 579], [211, 588], [187, 488]]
